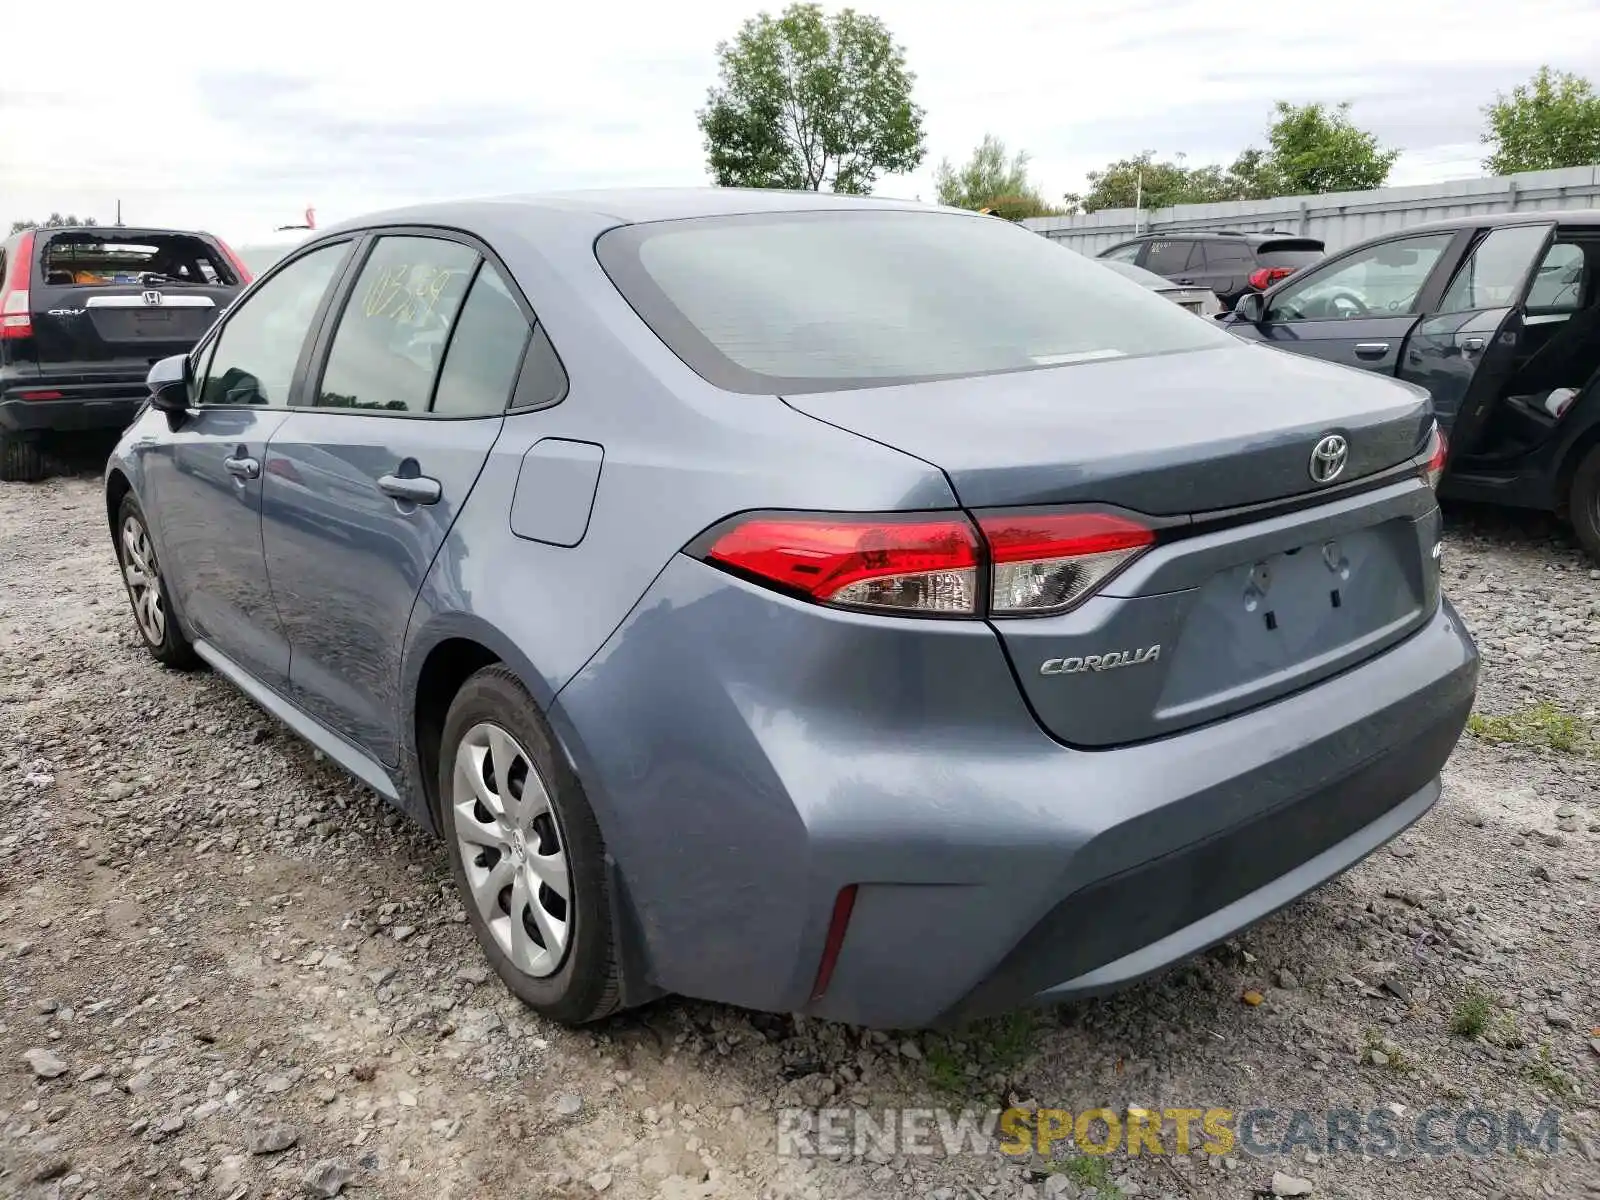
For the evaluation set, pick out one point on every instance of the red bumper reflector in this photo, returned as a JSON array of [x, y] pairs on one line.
[[843, 904], [38, 395]]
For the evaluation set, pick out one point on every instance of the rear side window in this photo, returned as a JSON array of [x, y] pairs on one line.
[[1288, 254], [1224, 255], [485, 351], [1124, 254], [1168, 257], [259, 346], [113, 259], [822, 301], [391, 337], [1557, 284]]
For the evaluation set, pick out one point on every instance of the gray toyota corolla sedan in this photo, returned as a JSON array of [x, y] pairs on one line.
[[811, 603]]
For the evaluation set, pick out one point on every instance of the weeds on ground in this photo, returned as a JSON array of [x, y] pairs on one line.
[[1542, 725], [1087, 1172], [1552, 1078], [955, 1063], [1472, 1013], [1398, 1060]]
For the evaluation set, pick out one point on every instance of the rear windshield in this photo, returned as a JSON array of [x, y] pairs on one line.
[[121, 260], [1288, 254], [824, 301]]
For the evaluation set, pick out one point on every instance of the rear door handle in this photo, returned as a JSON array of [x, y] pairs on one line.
[[414, 489], [243, 467], [1371, 349]]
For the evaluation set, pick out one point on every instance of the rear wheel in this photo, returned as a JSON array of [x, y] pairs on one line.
[[22, 459], [1583, 505], [526, 852], [141, 576]]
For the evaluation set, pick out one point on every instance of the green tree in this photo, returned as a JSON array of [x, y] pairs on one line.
[[56, 221], [1154, 184], [1551, 121], [1316, 148], [806, 100], [991, 179]]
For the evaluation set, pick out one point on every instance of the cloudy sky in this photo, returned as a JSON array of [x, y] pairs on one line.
[[208, 118]]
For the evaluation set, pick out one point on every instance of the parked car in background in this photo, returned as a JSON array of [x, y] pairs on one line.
[[83, 314], [757, 589], [1201, 301], [1499, 318], [1230, 264]]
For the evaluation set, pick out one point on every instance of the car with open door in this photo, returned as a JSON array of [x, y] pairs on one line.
[[1499, 318], [84, 312]]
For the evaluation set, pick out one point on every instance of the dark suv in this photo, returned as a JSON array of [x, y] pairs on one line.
[[1230, 264], [83, 314]]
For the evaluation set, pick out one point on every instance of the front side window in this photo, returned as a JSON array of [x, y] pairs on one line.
[[799, 302], [391, 336], [1492, 275], [1380, 281], [258, 348]]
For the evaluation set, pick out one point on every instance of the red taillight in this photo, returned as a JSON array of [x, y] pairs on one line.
[[1047, 562], [922, 564], [843, 904], [1432, 458], [239, 269], [931, 564], [1267, 276], [16, 312]]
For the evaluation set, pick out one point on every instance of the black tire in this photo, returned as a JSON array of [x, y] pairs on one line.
[[585, 986], [1583, 503], [22, 459], [171, 648]]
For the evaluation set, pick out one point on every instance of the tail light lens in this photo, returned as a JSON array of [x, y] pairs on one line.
[[239, 269], [16, 309], [1047, 562], [925, 565], [1264, 278], [932, 564], [1431, 460]]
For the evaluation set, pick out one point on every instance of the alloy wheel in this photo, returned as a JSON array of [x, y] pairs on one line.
[[144, 581], [511, 846]]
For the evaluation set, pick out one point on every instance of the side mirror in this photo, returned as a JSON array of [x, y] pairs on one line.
[[170, 382], [1252, 308]]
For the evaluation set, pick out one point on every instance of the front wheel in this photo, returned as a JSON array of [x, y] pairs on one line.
[[1583, 505], [526, 852], [141, 576]]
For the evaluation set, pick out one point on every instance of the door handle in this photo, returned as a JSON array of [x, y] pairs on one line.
[[1187, 282], [242, 466], [1471, 346], [413, 489], [1371, 349]]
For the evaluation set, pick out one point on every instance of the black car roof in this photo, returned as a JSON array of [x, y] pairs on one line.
[[1250, 237]]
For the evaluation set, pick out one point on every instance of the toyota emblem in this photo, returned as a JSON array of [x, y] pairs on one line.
[[1328, 458]]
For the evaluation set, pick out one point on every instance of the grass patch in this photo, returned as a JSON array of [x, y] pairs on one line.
[[995, 1046], [1087, 1172], [1472, 1013], [1542, 725], [1399, 1061], [1552, 1078]]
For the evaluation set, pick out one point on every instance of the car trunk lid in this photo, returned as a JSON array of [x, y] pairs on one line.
[[1262, 580], [107, 297]]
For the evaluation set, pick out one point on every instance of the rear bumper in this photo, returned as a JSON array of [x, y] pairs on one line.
[[101, 401], [749, 756]]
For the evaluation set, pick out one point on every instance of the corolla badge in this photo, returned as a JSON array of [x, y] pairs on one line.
[[1109, 661], [1328, 458]]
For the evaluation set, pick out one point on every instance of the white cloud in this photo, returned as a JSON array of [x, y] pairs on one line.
[[236, 122]]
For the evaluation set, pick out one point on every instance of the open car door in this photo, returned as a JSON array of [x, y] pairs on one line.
[[1466, 351]]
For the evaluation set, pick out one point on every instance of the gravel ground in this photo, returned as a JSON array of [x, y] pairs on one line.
[[226, 970]]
